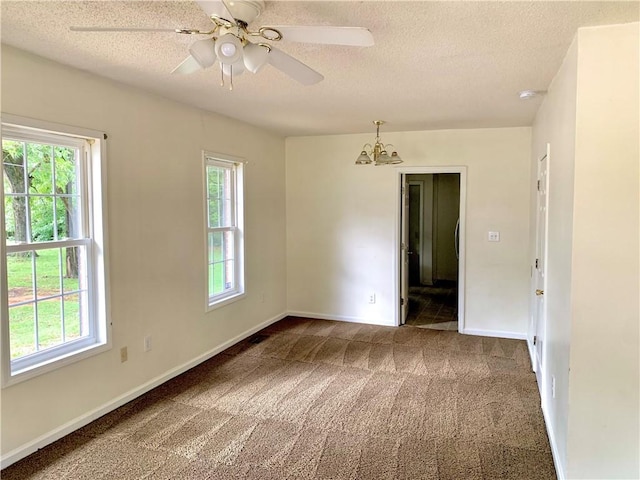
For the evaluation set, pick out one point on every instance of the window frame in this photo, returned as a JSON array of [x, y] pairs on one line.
[[92, 194], [236, 165]]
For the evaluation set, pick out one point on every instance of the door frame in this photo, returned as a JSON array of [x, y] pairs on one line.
[[397, 275]]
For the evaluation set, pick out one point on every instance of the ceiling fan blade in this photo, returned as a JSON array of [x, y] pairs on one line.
[[122, 29], [327, 35], [188, 65], [293, 67], [217, 8]]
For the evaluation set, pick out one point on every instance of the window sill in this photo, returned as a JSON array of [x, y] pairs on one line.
[[225, 301], [54, 364]]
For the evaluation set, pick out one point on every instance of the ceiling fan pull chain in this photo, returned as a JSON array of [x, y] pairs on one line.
[[231, 77], [221, 76]]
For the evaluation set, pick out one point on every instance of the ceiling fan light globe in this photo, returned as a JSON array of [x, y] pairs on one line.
[[203, 52], [236, 69], [255, 57], [228, 48]]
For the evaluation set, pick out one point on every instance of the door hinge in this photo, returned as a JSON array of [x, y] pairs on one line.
[[535, 339], [401, 301], [537, 263], [538, 185]]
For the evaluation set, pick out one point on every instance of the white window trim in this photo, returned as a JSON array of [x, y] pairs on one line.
[[99, 258], [212, 158]]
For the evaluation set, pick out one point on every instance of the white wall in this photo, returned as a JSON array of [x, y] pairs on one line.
[[156, 237], [604, 361], [342, 219], [555, 124], [590, 117]]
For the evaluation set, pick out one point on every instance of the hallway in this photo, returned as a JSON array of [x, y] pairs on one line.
[[434, 307]]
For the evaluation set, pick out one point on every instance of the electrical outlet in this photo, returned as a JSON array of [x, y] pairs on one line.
[[147, 343], [372, 298], [553, 386], [493, 236], [124, 356]]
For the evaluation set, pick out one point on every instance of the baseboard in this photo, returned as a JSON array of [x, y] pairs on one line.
[[554, 445], [69, 427], [340, 318], [494, 333]]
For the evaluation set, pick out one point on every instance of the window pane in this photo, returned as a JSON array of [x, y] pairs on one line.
[[219, 197], [40, 169], [42, 218], [215, 247], [229, 277], [221, 265], [49, 323], [15, 218], [66, 171], [68, 217], [75, 316], [74, 261], [215, 279], [20, 277], [12, 157], [14, 182], [48, 273], [22, 331], [214, 214]]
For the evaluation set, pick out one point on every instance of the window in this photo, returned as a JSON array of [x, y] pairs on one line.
[[225, 275], [53, 303]]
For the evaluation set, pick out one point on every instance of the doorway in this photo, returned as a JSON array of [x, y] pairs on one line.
[[431, 246]]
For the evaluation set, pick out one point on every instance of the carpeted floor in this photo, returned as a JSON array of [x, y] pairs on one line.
[[326, 400]]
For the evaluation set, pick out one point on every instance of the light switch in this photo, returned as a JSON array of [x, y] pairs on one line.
[[494, 236]]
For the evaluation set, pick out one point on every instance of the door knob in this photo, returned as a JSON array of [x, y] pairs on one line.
[[539, 292]]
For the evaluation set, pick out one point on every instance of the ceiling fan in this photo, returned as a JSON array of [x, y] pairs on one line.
[[236, 47]]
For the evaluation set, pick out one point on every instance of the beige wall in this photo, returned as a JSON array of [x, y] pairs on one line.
[[156, 237], [590, 119], [555, 124], [604, 362], [342, 221]]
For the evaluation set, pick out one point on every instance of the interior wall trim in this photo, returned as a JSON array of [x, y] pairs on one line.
[[495, 333], [341, 318], [555, 454], [79, 422]]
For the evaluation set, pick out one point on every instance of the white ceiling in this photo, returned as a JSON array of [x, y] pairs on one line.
[[434, 65]]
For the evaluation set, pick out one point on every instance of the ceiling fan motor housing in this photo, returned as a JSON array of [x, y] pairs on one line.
[[245, 10]]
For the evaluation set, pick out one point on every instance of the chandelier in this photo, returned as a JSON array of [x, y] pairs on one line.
[[377, 151]]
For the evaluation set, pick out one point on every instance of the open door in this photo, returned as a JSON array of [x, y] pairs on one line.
[[404, 250], [539, 283]]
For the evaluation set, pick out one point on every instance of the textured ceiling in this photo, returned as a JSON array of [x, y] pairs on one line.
[[434, 64]]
